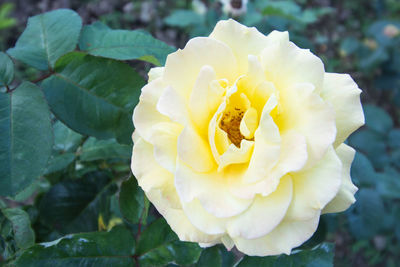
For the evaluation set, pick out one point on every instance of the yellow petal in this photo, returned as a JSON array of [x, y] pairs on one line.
[[264, 214], [183, 66], [343, 93], [155, 73], [345, 196], [267, 145], [210, 189], [315, 187], [305, 112], [249, 123], [242, 40], [286, 236], [194, 151], [145, 168], [286, 64], [173, 105], [206, 97], [164, 139], [145, 114], [235, 155], [292, 158]]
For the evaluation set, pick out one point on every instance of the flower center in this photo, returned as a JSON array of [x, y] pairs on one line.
[[230, 123]]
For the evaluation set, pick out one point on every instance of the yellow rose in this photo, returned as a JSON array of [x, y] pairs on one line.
[[239, 140]]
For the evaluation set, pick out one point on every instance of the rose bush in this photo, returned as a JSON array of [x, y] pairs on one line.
[[239, 140]]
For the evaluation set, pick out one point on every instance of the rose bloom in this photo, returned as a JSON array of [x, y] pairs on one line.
[[239, 140]]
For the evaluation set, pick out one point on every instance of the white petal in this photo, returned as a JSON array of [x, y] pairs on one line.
[[315, 187], [345, 196], [343, 93]]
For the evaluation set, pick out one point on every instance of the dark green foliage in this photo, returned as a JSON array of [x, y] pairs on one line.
[[94, 96], [47, 37], [99, 40], [319, 256], [26, 137], [112, 248]]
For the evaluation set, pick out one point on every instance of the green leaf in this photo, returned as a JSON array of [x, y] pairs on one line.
[[6, 69], [394, 138], [184, 18], [210, 257], [47, 37], [362, 170], [99, 40], [59, 162], [285, 9], [75, 205], [26, 138], [158, 246], [94, 149], [94, 96], [373, 144], [40, 185], [5, 20], [377, 119], [65, 139], [114, 248], [366, 219], [132, 201], [319, 256], [23, 233]]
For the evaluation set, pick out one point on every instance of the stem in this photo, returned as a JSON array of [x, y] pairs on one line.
[[43, 77], [8, 90]]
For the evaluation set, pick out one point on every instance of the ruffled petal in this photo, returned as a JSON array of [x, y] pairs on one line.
[[183, 66], [343, 93], [243, 40], [345, 196], [235, 155], [145, 115], [264, 214], [286, 236], [147, 171], [206, 97], [267, 145], [173, 105], [315, 187], [164, 139], [194, 151], [210, 189], [304, 111], [155, 73], [286, 64], [292, 158]]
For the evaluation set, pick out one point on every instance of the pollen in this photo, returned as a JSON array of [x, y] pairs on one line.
[[230, 123]]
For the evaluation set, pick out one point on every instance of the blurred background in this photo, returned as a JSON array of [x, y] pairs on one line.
[[359, 37]]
